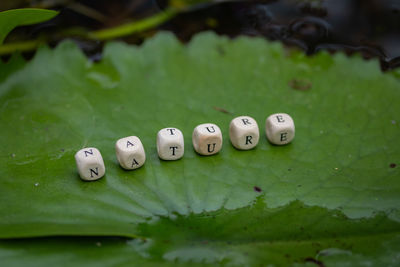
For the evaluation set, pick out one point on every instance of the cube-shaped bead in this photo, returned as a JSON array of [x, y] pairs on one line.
[[170, 144], [207, 139], [90, 164], [244, 132], [279, 128], [130, 152]]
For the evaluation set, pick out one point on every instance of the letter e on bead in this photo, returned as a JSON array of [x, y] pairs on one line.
[[280, 118], [283, 137]]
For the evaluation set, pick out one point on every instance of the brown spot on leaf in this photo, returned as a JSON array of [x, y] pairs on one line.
[[392, 165], [317, 262], [299, 84], [221, 50], [222, 110], [257, 189]]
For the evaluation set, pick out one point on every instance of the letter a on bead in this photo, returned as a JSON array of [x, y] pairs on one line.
[[130, 152], [128, 144]]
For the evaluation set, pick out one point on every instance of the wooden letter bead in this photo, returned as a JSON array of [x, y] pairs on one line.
[[244, 133], [130, 152], [90, 164], [279, 128], [207, 139], [170, 145]]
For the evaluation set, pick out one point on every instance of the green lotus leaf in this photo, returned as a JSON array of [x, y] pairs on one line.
[[330, 197]]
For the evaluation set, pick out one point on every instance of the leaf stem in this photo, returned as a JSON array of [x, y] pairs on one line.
[[101, 35], [134, 27], [24, 46]]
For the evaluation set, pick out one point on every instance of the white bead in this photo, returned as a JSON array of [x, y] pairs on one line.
[[170, 144], [90, 164], [207, 139], [279, 128], [244, 133], [130, 152]]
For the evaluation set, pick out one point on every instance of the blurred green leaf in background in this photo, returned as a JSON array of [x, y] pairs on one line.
[[21, 17]]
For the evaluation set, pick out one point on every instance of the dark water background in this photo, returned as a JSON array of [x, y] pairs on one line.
[[370, 27]]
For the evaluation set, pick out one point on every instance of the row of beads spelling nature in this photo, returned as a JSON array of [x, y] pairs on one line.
[[207, 140]]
